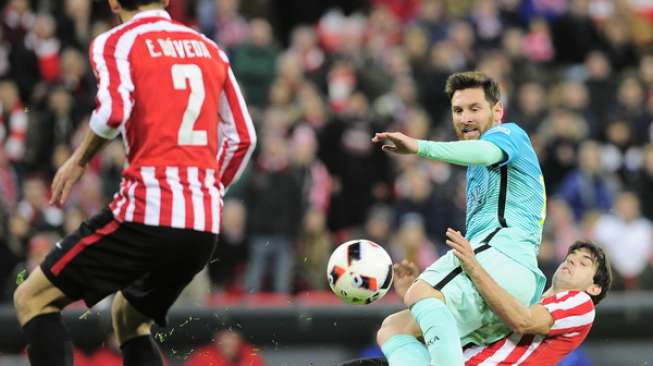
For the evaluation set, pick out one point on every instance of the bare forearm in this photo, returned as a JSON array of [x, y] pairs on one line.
[[89, 147], [512, 312]]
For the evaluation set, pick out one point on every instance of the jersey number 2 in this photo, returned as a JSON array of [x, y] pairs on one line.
[[180, 73]]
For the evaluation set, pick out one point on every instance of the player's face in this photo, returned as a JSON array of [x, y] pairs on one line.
[[472, 113], [576, 272]]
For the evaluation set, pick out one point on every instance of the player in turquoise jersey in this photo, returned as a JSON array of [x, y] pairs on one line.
[[506, 206]]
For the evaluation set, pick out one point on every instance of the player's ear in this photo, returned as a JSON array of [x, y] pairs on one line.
[[497, 109], [165, 3], [594, 290]]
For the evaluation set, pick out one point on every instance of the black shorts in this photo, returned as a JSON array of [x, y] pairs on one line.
[[151, 265]]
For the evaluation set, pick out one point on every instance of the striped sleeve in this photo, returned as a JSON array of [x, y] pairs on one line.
[[114, 100], [572, 312], [238, 137]]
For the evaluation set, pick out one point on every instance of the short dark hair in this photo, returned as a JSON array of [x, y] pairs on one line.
[[603, 274], [134, 4], [473, 79]]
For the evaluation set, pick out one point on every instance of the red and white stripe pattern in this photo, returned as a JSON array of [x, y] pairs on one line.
[[165, 185], [573, 314], [179, 197]]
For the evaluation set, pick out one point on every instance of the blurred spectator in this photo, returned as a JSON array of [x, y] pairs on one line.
[[561, 229], [619, 47], [43, 41], [411, 242], [560, 133], [17, 20], [54, 127], [417, 197], [113, 161], [547, 260], [230, 28], [600, 85], [361, 171], [8, 257], [274, 208], [74, 23], [379, 225], [9, 190], [73, 217], [574, 33], [585, 188], [37, 248], [396, 104], [13, 122], [254, 62], [19, 234], [574, 97], [630, 106], [530, 108], [312, 174], [485, 16], [304, 44], [77, 78], [314, 246], [539, 46], [644, 183], [227, 267], [34, 206], [228, 349], [627, 238]]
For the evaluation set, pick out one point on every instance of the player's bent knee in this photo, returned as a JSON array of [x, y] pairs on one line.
[[420, 290], [21, 301], [401, 323], [127, 322], [389, 328]]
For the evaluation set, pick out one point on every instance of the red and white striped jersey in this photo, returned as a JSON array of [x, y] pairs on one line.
[[171, 93], [573, 314]]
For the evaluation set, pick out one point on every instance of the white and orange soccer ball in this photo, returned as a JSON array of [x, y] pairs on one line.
[[359, 271]]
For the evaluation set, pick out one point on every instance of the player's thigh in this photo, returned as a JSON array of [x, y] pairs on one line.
[[188, 251], [515, 278], [128, 322], [460, 294], [36, 296], [99, 258]]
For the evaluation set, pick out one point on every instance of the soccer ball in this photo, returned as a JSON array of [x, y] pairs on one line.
[[359, 271]]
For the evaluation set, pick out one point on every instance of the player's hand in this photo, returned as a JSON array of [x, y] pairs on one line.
[[462, 249], [67, 175], [405, 274], [401, 144]]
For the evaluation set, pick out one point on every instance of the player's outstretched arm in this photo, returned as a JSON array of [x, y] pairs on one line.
[[469, 152], [520, 318], [74, 167]]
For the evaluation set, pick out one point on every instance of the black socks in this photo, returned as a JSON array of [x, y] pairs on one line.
[[141, 351], [48, 343]]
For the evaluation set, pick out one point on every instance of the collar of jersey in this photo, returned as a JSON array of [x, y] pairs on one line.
[[159, 13]]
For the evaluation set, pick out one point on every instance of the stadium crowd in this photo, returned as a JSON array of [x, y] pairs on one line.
[[576, 74]]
